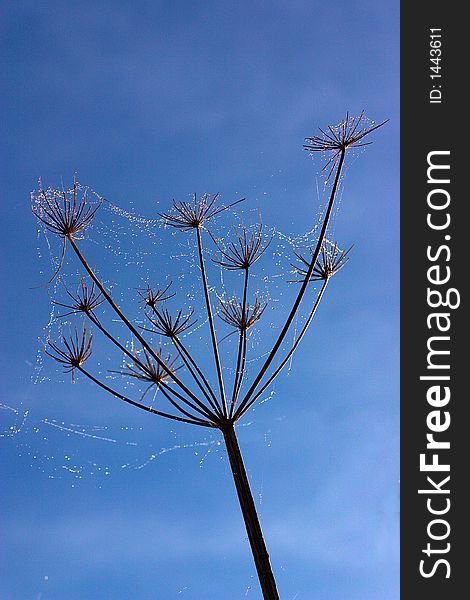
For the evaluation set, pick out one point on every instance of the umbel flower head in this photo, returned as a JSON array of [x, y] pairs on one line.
[[241, 317], [350, 133], [193, 215], [329, 262], [244, 251], [86, 299], [75, 351], [168, 325], [63, 213], [151, 297], [145, 369]]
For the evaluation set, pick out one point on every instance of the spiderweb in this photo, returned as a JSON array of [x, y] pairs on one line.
[[130, 251]]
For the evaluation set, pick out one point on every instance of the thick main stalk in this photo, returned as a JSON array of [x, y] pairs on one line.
[[250, 516]]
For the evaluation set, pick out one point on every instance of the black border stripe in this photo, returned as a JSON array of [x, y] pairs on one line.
[[427, 127]]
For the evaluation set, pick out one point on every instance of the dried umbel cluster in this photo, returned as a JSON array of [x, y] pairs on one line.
[[350, 133], [185, 392], [75, 349], [244, 251], [64, 215], [329, 262], [187, 388]]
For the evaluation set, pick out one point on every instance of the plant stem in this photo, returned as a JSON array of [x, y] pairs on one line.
[[193, 421], [238, 415], [136, 360], [133, 330], [211, 321], [302, 290], [188, 361], [241, 357], [250, 516]]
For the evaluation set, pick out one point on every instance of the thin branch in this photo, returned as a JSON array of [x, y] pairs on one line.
[[166, 390], [187, 358], [241, 355], [94, 319], [211, 321], [171, 327], [205, 411], [240, 413], [242, 369], [302, 290], [193, 421], [129, 325]]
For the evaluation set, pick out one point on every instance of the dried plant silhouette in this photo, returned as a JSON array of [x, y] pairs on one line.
[[178, 377]]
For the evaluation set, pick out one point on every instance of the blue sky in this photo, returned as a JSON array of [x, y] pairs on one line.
[[148, 101]]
